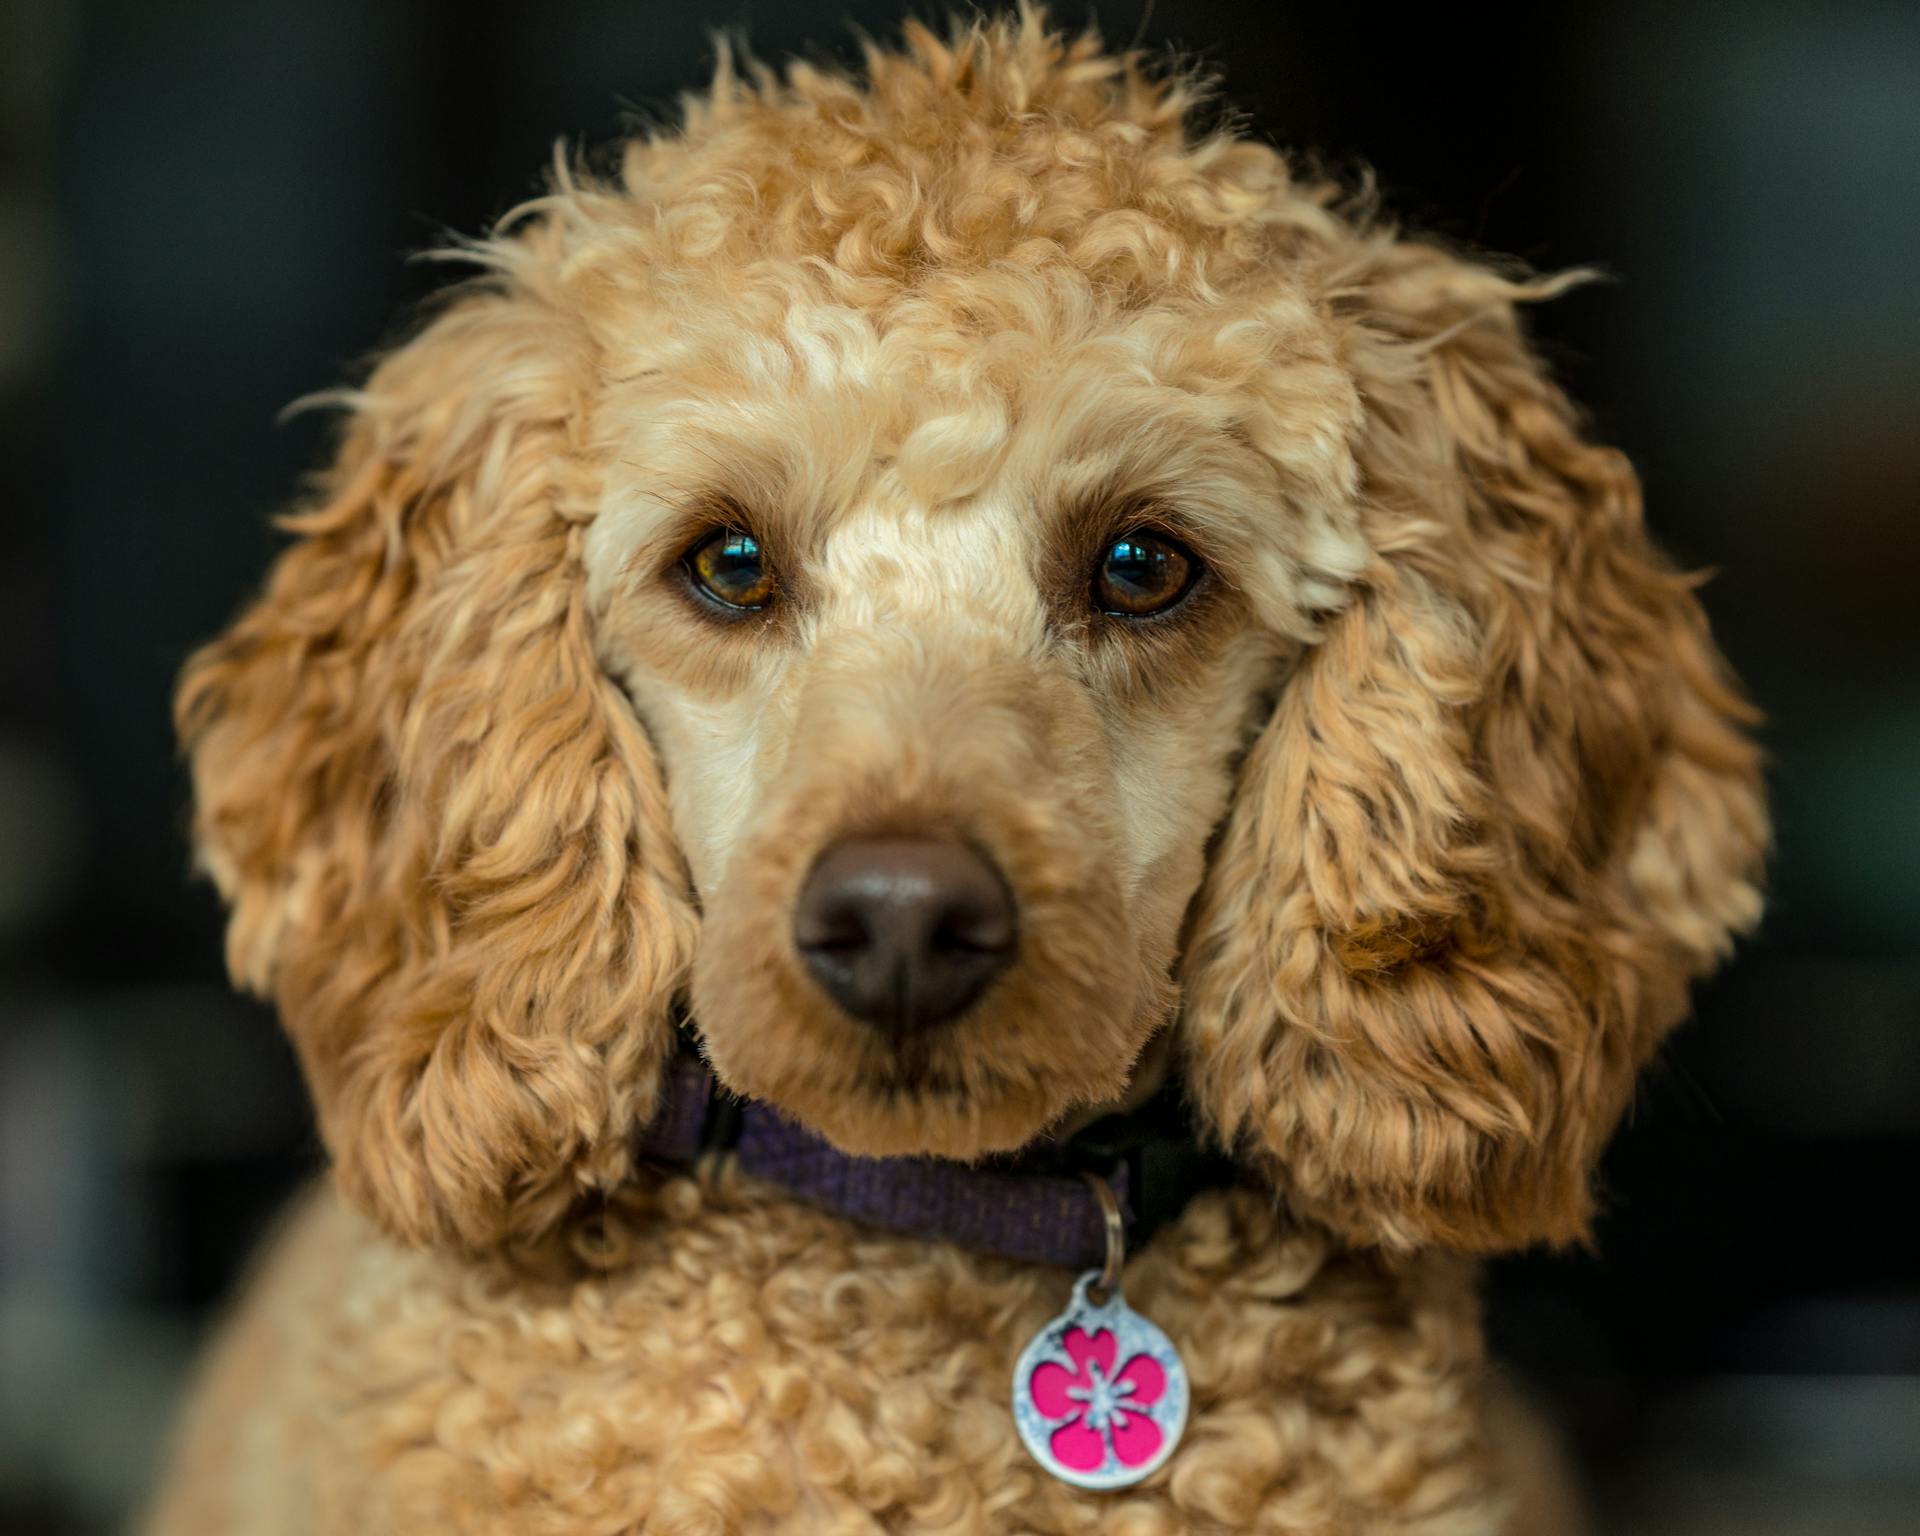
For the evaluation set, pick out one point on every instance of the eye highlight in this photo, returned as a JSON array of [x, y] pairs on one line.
[[729, 567], [1143, 573]]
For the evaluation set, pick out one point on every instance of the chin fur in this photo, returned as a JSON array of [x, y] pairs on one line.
[[941, 1098]]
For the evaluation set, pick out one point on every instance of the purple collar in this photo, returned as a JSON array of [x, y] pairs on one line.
[[1036, 1208]]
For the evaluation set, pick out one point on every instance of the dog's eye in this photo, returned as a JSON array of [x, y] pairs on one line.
[[1143, 573], [729, 568]]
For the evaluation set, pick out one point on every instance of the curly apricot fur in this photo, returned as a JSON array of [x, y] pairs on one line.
[[1409, 830]]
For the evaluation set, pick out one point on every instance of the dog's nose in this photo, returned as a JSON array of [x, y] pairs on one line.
[[904, 932]]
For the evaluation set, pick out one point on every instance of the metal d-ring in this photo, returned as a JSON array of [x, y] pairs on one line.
[[1116, 1228]]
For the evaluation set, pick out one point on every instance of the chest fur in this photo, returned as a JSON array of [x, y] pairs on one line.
[[717, 1359]]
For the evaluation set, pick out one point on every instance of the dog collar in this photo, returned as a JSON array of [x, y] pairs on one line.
[[1036, 1205]]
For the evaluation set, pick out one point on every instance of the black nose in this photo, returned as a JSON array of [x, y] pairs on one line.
[[904, 932]]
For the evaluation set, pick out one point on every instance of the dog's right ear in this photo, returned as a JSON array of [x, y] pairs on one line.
[[443, 834], [1504, 811]]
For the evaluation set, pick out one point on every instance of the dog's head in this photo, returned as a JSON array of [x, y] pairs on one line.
[[959, 578]]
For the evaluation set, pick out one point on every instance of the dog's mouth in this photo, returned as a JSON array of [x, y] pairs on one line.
[[939, 1097], [917, 1078], [988, 1081], [914, 1071]]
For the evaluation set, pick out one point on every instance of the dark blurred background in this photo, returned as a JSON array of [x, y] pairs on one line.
[[206, 210]]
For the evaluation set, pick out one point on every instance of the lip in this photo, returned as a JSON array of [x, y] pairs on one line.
[[914, 1083], [936, 1115]]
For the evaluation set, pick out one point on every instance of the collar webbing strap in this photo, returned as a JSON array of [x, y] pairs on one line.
[[1036, 1206]]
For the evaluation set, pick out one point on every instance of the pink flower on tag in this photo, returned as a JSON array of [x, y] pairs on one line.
[[1101, 1407]]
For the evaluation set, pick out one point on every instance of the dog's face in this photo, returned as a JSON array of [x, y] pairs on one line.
[[969, 584], [948, 635]]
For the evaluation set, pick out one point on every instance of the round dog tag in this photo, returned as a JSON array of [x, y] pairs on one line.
[[1100, 1394]]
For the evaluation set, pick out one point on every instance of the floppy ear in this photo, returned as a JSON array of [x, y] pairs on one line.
[[443, 834], [1500, 817]]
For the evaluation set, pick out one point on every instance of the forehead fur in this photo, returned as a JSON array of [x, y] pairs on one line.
[[1003, 255], [1005, 143]]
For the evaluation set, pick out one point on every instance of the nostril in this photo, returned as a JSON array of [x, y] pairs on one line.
[[971, 930], [838, 931]]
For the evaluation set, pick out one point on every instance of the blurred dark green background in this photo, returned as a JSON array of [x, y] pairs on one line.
[[205, 210]]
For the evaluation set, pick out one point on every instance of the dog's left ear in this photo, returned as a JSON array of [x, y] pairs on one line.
[[1502, 814], [442, 832]]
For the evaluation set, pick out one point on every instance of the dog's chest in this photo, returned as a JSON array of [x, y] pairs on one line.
[[740, 1363]]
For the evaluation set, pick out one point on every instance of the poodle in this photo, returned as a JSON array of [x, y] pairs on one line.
[[951, 681]]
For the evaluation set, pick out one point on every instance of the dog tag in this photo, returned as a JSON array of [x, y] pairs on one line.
[[1100, 1394]]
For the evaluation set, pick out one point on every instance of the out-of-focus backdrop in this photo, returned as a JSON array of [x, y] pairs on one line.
[[206, 210]]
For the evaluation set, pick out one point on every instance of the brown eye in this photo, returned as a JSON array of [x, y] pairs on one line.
[[1141, 574], [728, 567]]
